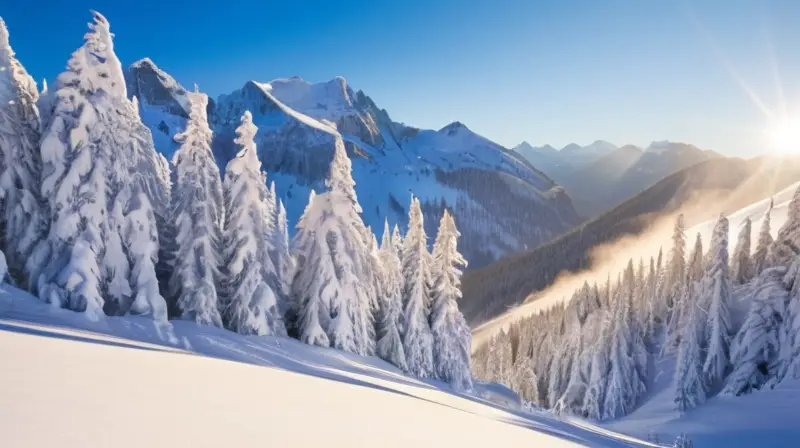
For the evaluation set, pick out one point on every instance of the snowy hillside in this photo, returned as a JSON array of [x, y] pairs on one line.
[[702, 343], [128, 382], [644, 247], [452, 167]]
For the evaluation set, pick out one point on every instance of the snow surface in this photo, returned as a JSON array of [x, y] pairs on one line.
[[117, 382]]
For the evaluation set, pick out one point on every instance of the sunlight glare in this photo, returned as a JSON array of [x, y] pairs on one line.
[[785, 136]]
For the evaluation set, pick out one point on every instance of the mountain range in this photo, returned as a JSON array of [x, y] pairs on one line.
[[601, 175], [501, 202]]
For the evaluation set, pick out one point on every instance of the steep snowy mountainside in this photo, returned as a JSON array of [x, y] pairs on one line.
[[163, 103], [127, 382], [701, 191], [501, 203]]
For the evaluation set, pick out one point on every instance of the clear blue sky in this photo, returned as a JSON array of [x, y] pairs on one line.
[[627, 71]]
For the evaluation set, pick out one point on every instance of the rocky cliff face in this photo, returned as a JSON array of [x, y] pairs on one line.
[[501, 203]]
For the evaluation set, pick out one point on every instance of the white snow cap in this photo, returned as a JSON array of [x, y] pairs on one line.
[[3, 34], [94, 67]]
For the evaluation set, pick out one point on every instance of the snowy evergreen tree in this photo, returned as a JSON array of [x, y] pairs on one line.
[[22, 222], [332, 257], [595, 392], [100, 178], [198, 214], [759, 259], [788, 364], [390, 343], [694, 272], [755, 349], [689, 381], [741, 271], [284, 264], [417, 336], [310, 299], [249, 304], [525, 380], [787, 244], [716, 296], [452, 339], [676, 267]]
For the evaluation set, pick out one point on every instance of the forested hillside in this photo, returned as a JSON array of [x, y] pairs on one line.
[[723, 185]]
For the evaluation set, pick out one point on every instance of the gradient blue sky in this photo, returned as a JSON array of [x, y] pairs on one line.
[[627, 71]]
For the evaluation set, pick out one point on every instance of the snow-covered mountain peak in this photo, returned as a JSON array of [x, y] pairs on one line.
[[155, 87], [327, 100], [453, 128]]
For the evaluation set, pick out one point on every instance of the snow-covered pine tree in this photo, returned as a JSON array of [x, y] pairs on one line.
[[595, 392], [741, 272], [390, 342], [787, 244], [22, 222], [331, 273], [656, 305], [694, 272], [759, 260], [756, 347], [788, 364], [689, 381], [310, 301], [676, 268], [101, 183], [525, 379], [452, 339], [417, 335], [397, 241], [198, 214], [249, 305], [716, 298], [284, 264], [625, 385]]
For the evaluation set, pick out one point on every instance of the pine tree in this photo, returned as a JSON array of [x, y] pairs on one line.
[[716, 296], [249, 304], [756, 347], [198, 214], [101, 183], [390, 343], [741, 272], [23, 221], [417, 337], [595, 392], [676, 267], [787, 244], [284, 264], [694, 272], [310, 303], [689, 381], [525, 379], [759, 260], [332, 257], [452, 338], [788, 363]]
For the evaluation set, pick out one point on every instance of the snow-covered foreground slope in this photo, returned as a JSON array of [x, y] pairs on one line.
[[120, 382], [767, 418]]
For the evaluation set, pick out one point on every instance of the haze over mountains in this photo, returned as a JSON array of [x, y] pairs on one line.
[[501, 202], [601, 175]]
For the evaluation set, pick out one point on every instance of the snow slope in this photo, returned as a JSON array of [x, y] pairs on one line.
[[121, 382]]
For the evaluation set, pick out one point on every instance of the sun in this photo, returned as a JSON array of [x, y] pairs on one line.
[[784, 136]]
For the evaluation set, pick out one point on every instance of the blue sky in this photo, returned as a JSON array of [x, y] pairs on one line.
[[627, 71]]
